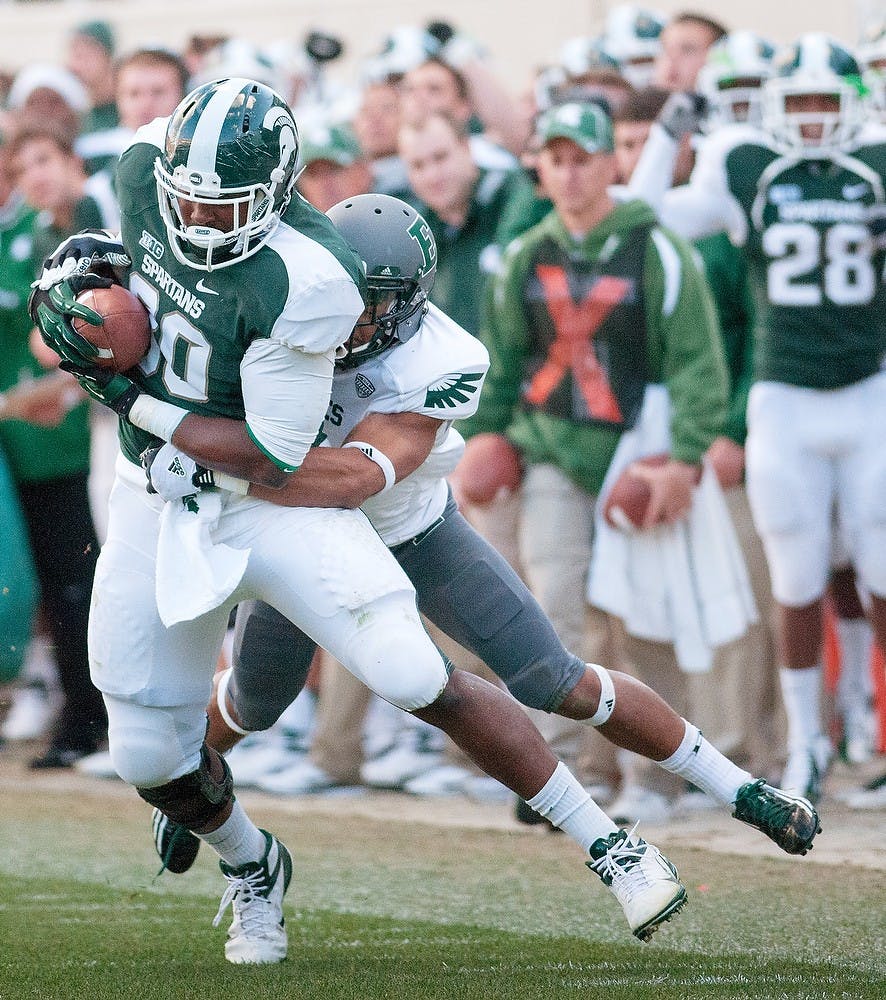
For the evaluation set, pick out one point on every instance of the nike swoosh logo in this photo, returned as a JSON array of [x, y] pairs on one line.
[[853, 191], [202, 288]]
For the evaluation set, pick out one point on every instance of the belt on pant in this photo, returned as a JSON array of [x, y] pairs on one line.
[[398, 550]]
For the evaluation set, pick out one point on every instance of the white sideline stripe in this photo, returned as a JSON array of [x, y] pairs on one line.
[[201, 155]]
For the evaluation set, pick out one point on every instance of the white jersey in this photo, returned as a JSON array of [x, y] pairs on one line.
[[438, 372]]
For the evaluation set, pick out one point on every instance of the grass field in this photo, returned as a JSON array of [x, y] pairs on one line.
[[398, 907]]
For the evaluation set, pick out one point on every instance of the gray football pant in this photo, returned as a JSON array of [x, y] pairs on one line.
[[462, 585]]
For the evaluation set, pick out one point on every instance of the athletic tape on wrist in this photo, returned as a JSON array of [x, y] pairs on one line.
[[607, 695], [156, 417], [231, 483], [380, 459]]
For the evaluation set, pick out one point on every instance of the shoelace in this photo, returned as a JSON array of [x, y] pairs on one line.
[[620, 865], [774, 814], [248, 890]]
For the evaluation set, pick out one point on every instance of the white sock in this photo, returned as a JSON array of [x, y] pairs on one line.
[[801, 691], [855, 685], [238, 840], [698, 761], [568, 806]]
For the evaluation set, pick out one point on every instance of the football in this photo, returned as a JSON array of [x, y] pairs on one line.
[[624, 507], [124, 337], [491, 466]]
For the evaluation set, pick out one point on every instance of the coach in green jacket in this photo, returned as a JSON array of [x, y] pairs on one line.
[[591, 305]]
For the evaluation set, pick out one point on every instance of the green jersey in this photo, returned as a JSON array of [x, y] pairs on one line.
[[300, 289], [813, 236], [727, 273], [467, 254], [34, 453]]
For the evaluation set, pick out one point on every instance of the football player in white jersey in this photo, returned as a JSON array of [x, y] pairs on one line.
[[805, 194], [406, 373], [251, 291]]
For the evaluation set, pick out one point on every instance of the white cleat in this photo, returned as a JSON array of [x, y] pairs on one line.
[[806, 768], [641, 878], [257, 935], [405, 760]]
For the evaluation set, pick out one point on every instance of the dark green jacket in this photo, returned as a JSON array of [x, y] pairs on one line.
[[684, 349]]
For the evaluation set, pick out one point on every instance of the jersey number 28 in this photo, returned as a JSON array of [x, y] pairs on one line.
[[808, 266]]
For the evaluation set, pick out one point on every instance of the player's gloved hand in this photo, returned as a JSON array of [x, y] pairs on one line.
[[95, 251], [172, 474], [683, 113], [105, 386], [54, 308]]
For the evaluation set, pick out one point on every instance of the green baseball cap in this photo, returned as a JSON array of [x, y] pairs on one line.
[[335, 143], [585, 124], [100, 32]]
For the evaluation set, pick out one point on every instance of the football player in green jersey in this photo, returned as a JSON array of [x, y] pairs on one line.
[[251, 292], [806, 197]]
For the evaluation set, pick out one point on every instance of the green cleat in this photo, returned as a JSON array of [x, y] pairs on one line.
[[789, 820], [175, 844]]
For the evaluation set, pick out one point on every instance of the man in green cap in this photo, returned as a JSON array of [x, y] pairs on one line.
[[591, 306], [90, 57], [333, 166]]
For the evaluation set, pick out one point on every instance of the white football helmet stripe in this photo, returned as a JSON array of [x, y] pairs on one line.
[[204, 146]]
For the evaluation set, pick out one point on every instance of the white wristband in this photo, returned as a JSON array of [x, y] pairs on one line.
[[156, 417], [380, 459]]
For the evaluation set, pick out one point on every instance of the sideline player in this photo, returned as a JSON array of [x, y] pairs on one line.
[[251, 291], [805, 195], [406, 373]]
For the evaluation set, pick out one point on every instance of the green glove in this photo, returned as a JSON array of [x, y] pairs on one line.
[[53, 309], [105, 386]]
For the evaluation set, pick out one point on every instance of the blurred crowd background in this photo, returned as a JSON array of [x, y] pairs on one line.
[[438, 107]]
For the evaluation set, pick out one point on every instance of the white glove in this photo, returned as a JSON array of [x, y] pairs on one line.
[[170, 472]]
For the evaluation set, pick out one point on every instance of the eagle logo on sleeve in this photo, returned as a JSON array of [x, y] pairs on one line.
[[451, 390]]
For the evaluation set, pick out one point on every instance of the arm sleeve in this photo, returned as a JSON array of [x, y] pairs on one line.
[[683, 327], [285, 396], [706, 205]]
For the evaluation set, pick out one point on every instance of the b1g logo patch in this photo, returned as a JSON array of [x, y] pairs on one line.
[[152, 245]]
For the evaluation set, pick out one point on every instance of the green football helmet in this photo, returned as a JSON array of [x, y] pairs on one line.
[[400, 257], [732, 77], [230, 142], [815, 65]]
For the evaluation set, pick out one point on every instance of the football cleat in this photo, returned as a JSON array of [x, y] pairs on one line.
[[255, 891], [176, 845], [806, 768], [640, 877], [789, 820]]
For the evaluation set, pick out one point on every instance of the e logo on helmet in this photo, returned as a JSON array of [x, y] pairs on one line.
[[421, 233]]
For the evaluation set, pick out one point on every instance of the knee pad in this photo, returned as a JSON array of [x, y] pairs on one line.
[[272, 658], [400, 664], [607, 695], [195, 798]]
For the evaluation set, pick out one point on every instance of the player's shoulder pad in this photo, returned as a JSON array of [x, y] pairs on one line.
[[152, 134], [440, 352], [728, 137]]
